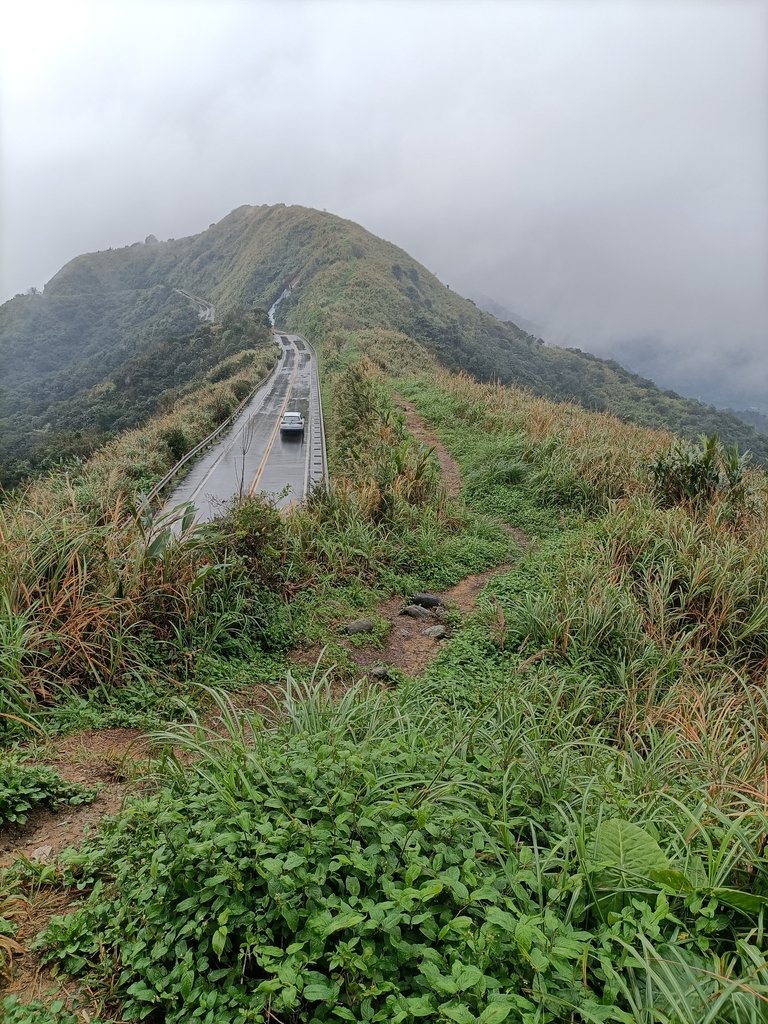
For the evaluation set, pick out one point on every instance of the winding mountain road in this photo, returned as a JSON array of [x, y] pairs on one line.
[[253, 456]]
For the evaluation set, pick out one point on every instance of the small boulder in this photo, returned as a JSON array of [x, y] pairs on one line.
[[359, 626], [415, 611], [435, 632], [427, 600]]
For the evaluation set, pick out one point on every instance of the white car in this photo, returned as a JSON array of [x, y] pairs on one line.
[[292, 423]]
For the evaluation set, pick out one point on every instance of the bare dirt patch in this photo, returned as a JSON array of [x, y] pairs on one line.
[[105, 758], [448, 469], [31, 979], [406, 647], [108, 758]]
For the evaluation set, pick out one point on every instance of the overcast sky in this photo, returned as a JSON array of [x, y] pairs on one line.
[[599, 166]]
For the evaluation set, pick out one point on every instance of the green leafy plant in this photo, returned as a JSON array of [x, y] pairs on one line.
[[697, 475], [24, 786]]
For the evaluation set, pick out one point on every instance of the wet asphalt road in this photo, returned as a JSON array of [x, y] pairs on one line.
[[253, 456]]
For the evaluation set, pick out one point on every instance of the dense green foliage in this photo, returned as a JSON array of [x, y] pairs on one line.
[[92, 395], [754, 418], [561, 820], [406, 855], [24, 786]]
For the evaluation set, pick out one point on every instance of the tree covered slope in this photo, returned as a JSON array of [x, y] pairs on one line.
[[105, 310]]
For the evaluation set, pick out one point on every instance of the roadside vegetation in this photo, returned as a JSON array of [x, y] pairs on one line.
[[563, 819], [92, 594]]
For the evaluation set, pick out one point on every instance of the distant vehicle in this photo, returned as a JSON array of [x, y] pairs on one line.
[[292, 423]]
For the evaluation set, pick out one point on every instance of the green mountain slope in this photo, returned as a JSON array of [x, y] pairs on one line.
[[76, 380], [753, 417], [104, 310]]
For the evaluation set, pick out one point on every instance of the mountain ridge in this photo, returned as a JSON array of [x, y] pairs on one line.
[[104, 308]]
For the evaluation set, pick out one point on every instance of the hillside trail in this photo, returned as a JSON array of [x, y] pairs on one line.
[[406, 647], [449, 469], [112, 758]]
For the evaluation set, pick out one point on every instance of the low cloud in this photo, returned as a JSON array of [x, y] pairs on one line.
[[598, 168]]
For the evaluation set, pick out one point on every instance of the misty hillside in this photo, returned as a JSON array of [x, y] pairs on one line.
[[105, 309], [753, 418], [87, 366]]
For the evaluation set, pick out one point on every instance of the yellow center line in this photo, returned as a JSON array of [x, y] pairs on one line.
[[268, 450]]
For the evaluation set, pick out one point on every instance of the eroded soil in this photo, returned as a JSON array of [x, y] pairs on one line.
[[106, 758], [406, 647]]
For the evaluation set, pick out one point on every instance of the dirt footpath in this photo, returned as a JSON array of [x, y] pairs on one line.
[[406, 647], [449, 470]]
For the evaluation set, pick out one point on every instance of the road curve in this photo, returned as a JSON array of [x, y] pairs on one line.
[[252, 456]]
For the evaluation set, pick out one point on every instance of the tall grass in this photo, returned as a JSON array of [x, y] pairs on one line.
[[83, 589], [93, 590], [564, 819], [385, 513], [568, 456]]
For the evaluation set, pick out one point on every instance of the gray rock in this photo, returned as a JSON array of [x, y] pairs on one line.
[[435, 632], [415, 611], [427, 600], [359, 626], [379, 672]]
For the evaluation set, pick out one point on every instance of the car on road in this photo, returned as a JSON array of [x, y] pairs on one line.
[[292, 423]]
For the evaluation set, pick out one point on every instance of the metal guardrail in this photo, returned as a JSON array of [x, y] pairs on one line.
[[162, 484], [317, 469]]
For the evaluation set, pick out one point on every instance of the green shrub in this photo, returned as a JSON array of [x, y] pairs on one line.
[[695, 476], [254, 531], [177, 441], [24, 786]]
